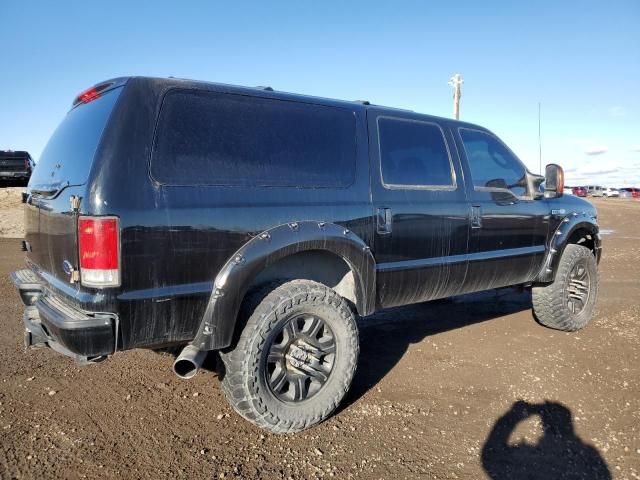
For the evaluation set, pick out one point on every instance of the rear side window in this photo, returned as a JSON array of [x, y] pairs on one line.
[[69, 153], [413, 153], [206, 138], [492, 165]]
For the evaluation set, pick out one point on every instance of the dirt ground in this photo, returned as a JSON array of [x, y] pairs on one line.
[[11, 214], [468, 389]]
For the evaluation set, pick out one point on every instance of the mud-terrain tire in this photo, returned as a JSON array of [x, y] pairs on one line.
[[279, 329], [556, 305]]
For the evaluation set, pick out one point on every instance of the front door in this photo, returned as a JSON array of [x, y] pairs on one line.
[[419, 200], [508, 226]]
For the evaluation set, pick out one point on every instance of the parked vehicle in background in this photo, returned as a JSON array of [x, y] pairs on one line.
[[579, 191], [625, 194], [595, 191], [15, 166], [567, 191], [609, 192], [635, 192], [257, 225]]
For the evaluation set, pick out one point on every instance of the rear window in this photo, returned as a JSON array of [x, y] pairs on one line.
[[206, 138], [17, 156], [69, 153]]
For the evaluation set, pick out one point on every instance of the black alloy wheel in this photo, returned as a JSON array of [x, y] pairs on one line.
[[300, 359]]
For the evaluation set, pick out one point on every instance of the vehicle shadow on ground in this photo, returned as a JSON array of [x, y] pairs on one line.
[[558, 454], [386, 336]]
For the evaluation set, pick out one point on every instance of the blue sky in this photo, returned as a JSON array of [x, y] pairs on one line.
[[580, 59]]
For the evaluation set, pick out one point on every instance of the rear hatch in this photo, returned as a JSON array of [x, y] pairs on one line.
[[62, 172], [13, 162]]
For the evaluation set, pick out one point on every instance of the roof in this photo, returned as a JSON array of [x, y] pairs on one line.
[[269, 92]]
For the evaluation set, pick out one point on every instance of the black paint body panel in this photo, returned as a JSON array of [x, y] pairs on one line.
[[179, 242]]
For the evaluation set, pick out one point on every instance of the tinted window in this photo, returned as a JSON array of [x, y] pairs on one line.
[[206, 138], [69, 153], [413, 153], [492, 165]]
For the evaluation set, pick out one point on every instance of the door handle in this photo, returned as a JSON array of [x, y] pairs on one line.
[[476, 216], [384, 219]]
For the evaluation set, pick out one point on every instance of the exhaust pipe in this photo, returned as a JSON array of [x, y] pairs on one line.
[[189, 361]]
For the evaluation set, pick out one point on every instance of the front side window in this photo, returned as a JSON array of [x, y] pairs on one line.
[[492, 165], [209, 138], [413, 153]]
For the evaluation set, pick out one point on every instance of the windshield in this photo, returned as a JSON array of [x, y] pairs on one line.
[[67, 158]]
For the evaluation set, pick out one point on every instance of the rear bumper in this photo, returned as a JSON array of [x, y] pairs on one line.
[[49, 321]]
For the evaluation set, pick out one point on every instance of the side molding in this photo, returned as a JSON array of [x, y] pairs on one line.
[[235, 277], [558, 242]]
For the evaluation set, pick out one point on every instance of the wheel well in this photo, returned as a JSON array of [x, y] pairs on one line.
[[583, 237], [317, 265]]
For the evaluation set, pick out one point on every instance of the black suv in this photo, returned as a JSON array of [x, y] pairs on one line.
[[15, 166], [258, 224]]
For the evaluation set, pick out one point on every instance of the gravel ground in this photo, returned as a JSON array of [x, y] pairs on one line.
[[11, 215], [465, 389]]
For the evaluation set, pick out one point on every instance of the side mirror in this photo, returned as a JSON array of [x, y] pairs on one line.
[[497, 183], [553, 181], [503, 197]]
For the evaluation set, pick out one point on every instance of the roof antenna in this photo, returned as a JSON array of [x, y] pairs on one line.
[[539, 140]]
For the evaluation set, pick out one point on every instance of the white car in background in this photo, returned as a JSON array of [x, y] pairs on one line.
[[610, 192]]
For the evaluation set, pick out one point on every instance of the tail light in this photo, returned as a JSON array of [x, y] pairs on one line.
[[90, 94], [99, 251]]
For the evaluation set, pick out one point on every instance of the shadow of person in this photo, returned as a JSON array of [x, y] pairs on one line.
[[559, 454]]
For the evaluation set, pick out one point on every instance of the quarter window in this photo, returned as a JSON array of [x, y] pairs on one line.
[[413, 153], [210, 138], [492, 165]]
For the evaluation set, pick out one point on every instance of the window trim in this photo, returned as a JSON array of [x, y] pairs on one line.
[[399, 186], [156, 129], [493, 189]]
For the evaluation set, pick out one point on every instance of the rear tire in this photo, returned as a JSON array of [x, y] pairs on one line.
[[567, 303], [295, 358]]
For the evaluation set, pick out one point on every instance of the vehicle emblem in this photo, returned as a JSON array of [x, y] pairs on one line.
[[67, 267]]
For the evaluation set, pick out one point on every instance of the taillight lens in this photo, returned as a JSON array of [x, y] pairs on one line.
[[99, 251], [90, 94]]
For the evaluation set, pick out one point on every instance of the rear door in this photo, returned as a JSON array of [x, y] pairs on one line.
[[62, 171], [419, 201], [508, 227]]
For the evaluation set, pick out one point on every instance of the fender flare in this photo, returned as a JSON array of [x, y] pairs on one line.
[[232, 282], [559, 241]]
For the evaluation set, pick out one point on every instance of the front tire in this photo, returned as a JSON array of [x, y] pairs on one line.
[[568, 302], [295, 358]]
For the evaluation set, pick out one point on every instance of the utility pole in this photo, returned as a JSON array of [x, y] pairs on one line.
[[456, 83]]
